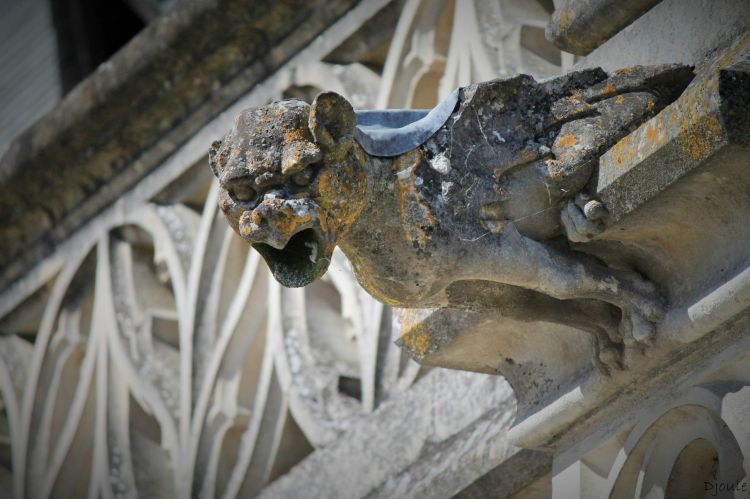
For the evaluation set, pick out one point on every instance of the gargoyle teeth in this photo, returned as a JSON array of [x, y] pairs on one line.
[[313, 251]]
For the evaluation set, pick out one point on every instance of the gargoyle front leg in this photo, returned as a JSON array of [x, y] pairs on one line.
[[524, 262]]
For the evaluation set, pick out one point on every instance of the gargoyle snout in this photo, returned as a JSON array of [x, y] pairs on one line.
[[241, 188], [274, 221], [246, 188]]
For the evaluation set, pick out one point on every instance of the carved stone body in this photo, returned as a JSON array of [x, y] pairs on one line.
[[486, 214]]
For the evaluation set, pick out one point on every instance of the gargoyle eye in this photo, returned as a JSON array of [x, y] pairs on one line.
[[242, 192], [303, 177]]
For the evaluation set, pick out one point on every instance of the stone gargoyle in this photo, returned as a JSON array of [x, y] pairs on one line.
[[499, 190]]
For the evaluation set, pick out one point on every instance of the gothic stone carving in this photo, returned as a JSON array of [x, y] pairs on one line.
[[491, 197]]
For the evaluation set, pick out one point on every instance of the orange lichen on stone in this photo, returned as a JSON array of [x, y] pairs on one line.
[[416, 217], [698, 136], [341, 188], [243, 224], [292, 158], [652, 134], [255, 217], [700, 140], [731, 55], [621, 99], [567, 16], [608, 89], [288, 225], [413, 333], [567, 140], [623, 151], [554, 169], [279, 111], [295, 135], [575, 97], [417, 342]]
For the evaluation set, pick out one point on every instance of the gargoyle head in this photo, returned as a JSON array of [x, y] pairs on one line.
[[292, 181]]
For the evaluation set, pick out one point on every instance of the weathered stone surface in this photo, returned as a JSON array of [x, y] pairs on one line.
[[421, 444], [525, 475], [676, 195], [579, 26], [711, 118], [465, 222], [423, 214], [680, 219], [674, 31], [126, 118]]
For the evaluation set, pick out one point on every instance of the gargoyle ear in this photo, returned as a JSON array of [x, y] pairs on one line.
[[331, 120], [213, 152]]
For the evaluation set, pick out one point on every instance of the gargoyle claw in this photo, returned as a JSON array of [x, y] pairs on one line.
[[636, 329], [578, 227], [642, 311], [609, 359]]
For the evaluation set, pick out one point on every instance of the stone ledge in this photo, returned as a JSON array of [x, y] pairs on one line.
[[710, 116], [419, 444], [580, 26], [674, 31]]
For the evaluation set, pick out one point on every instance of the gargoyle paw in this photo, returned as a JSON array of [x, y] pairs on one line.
[[578, 227], [642, 308], [609, 359], [637, 329]]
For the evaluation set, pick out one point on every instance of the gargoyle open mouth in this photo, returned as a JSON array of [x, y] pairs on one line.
[[300, 262]]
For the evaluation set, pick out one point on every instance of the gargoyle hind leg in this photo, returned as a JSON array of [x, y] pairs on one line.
[[524, 262], [594, 317]]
